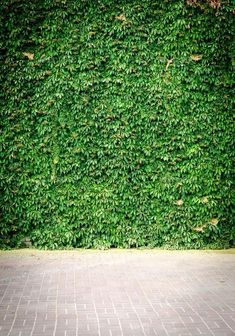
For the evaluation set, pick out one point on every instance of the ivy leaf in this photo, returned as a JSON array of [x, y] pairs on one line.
[[29, 55], [179, 202], [121, 17], [214, 221], [199, 229], [205, 200], [169, 61], [196, 57]]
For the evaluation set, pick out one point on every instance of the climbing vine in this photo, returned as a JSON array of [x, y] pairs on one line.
[[116, 123]]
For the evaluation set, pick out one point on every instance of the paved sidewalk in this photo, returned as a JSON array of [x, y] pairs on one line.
[[117, 293]]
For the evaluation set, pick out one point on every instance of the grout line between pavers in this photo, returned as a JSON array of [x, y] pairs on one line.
[[97, 318], [56, 309], [220, 316], [17, 307], [134, 309]]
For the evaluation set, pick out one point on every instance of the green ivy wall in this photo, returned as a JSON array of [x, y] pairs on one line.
[[116, 123]]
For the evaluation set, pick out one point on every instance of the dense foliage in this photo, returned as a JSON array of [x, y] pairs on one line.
[[116, 123]]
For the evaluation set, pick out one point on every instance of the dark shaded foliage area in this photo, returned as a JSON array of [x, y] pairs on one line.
[[116, 124]]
